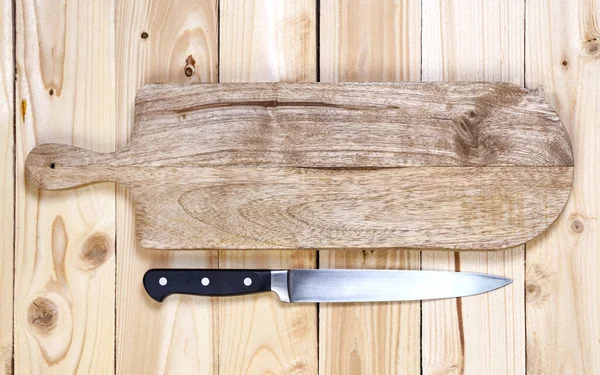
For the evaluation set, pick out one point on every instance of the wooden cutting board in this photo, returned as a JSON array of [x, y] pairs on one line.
[[332, 165]]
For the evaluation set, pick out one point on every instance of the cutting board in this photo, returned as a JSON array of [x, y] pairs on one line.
[[332, 165]]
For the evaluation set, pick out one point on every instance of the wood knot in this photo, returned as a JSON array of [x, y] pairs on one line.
[[591, 48], [577, 226], [465, 129], [534, 291], [144, 35], [190, 66], [96, 249], [42, 314], [538, 287], [577, 221]]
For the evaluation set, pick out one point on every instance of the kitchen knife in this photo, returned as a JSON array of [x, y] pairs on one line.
[[323, 285]]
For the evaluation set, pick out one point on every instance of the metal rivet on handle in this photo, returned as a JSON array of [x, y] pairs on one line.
[[205, 281], [247, 281], [162, 281]]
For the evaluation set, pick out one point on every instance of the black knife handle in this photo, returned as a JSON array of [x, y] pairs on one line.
[[159, 283]]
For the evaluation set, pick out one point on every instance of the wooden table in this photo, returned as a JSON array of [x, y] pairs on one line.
[[70, 268]]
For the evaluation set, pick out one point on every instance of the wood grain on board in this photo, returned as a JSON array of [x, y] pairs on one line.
[[169, 42], [328, 125], [7, 74], [264, 40], [64, 260], [563, 287], [325, 165], [483, 41]]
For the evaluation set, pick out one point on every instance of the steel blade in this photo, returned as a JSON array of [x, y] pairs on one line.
[[380, 285]]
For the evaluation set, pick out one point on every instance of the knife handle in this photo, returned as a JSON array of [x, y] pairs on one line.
[[159, 283]]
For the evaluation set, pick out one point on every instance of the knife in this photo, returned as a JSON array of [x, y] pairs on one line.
[[322, 285]]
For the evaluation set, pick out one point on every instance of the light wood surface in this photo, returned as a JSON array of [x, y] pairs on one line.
[[563, 287], [301, 165], [267, 40], [64, 259], [378, 41], [94, 58], [7, 189], [179, 336], [369, 338], [475, 40], [374, 41]]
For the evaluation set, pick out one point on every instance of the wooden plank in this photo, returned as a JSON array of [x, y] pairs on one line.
[[7, 74], [475, 40], [370, 42], [64, 257], [263, 40], [154, 41], [369, 338], [378, 41], [563, 288]]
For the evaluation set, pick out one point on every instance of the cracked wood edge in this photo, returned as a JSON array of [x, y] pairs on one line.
[[563, 288], [64, 249], [267, 41], [158, 41], [475, 40]]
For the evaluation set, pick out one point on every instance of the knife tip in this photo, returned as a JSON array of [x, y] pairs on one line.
[[503, 281]]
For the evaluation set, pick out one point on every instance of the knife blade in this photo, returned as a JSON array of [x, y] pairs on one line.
[[322, 285]]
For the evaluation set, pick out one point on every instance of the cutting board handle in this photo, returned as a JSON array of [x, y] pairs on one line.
[[53, 166]]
